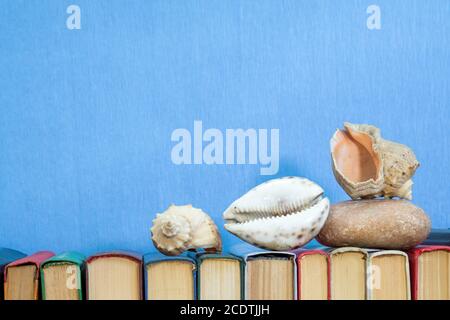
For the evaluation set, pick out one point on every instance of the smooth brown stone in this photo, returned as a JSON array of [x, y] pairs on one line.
[[383, 224]]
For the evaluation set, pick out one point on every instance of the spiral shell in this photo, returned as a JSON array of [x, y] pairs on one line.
[[182, 228], [368, 166]]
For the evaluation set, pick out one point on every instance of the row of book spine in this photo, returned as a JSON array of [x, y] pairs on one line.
[[10, 258]]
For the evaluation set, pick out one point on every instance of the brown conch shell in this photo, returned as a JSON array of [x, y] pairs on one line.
[[368, 166], [182, 228]]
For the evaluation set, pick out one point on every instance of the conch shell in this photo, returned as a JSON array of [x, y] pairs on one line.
[[182, 228], [280, 214], [368, 166]]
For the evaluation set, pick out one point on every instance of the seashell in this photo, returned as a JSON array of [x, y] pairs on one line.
[[280, 214], [368, 166], [182, 228]]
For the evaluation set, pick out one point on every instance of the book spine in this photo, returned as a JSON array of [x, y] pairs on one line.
[[299, 270], [413, 272]]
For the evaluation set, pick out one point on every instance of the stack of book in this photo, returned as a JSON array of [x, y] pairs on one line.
[[245, 273]]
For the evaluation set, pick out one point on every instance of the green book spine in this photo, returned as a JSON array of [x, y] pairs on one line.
[[70, 258]]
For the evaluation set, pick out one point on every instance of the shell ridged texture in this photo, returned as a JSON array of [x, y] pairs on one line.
[[368, 166], [182, 228], [280, 214]]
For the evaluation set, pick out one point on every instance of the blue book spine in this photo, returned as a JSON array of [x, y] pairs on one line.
[[158, 257], [6, 257]]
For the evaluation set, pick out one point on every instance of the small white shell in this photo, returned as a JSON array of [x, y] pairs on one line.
[[182, 228], [280, 214]]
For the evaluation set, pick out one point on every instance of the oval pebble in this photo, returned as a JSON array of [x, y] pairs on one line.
[[382, 224]]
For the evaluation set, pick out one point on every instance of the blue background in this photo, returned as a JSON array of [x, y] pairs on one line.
[[87, 115]]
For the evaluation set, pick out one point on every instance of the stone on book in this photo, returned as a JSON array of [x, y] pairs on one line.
[[384, 224]]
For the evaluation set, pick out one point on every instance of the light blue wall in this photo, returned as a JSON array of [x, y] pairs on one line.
[[86, 115]]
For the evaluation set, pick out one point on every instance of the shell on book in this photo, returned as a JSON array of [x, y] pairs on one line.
[[182, 228], [280, 214], [368, 166]]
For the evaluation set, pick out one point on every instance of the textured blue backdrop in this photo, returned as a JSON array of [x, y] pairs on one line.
[[86, 115]]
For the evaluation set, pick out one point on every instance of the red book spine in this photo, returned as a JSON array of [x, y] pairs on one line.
[[414, 255], [35, 259]]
